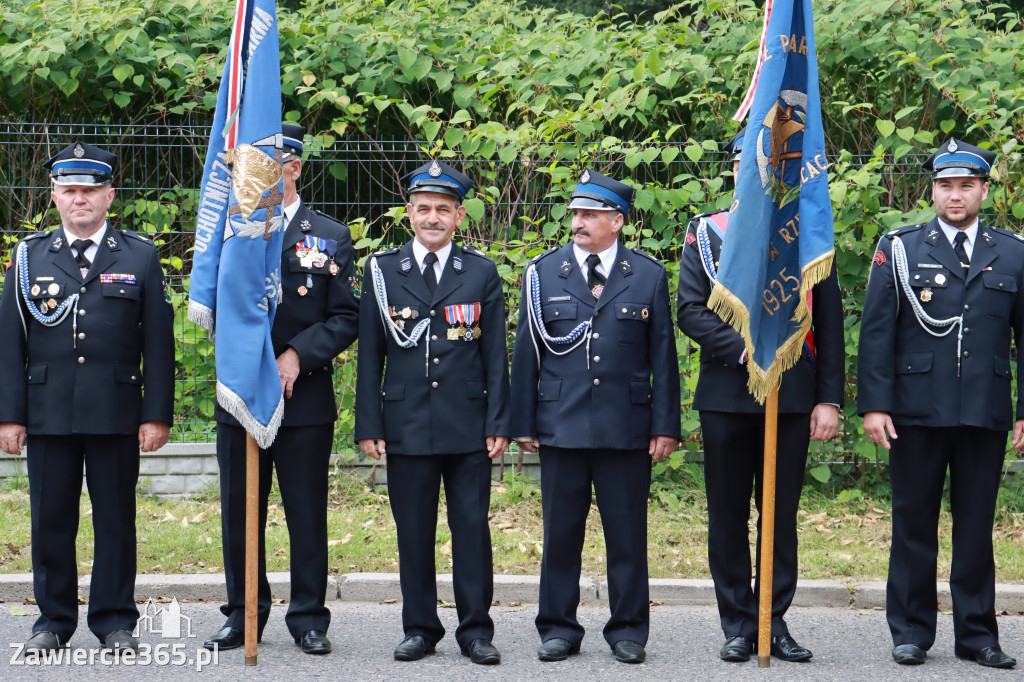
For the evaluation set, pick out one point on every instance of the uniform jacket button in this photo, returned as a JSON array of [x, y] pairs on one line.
[[81, 361], [81, 335], [81, 313], [595, 336], [433, 384], [82, 290], [437, 361], [433, 337], [967, 353], [597, 358], [433, 313], [597, 382]]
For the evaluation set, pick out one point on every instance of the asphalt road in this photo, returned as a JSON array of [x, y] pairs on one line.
[[848, 645]]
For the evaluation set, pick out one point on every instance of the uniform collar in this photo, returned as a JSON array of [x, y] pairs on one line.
[[950, 232], [419, 252], [607, 258], [96, 237]]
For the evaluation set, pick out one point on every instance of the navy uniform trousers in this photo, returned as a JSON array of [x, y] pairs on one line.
[[77, 386], [435, 412], [732, 430], [594, 418], [318, 318], [949, 412]]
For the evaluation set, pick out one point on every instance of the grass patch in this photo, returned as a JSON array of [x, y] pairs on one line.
[[844, 535]]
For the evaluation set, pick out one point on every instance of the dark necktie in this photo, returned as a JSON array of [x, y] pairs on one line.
[[960, 251], [594, 278], [83, 263], [428, 271]]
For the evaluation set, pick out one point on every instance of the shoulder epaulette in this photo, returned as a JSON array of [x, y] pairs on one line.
[[1008, 233], [135, 235], [536, 259], [475, 251], [387, 252], [39, 235], [638, 252], [903, 229], [709, 213], [331, 218]]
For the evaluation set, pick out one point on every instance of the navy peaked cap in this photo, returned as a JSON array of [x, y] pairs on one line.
[[601, 193], [81, 164], [438, 176]]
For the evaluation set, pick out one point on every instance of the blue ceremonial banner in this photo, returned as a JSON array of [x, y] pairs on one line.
[[236, 269], [780, 239]]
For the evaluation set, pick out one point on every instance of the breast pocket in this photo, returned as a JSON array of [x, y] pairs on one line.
[[121, 303], [560, 318], [1001, 293], [633, 318]]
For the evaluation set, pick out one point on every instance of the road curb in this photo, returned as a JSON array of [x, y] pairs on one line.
[[508, 589]]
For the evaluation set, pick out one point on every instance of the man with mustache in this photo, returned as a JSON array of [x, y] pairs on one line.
[[596, 389], [944, 300], [432, 395]]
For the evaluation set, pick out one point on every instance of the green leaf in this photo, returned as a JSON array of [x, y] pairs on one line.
[[947, 125], [668, 154], [1018, 210], [474, 208], [123, 71], [906, 134], [693, 152], [906, 111], [821, 473], [407, 58], [430, 129], [453, 136], [461, 116], [886, 128], [122, 99], [654, 62]]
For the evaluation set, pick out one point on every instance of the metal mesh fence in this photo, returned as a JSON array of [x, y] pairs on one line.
[[158, 176]]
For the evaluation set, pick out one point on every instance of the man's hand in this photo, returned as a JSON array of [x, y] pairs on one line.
[[824, 421], [288, 370], [877, 424], [153, 435], [373, 447], [12, 437], [1018, 435], [496, 446], [528, 443], [661, 447]]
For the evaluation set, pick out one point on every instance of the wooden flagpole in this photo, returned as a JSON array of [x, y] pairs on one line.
[[252, 493], [767, 519]]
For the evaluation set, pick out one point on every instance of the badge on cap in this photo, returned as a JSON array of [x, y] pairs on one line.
[[435, 170], [585, 178], [79, 152], [951, 147]]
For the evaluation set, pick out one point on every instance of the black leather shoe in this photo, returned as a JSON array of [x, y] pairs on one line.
[[556, 649], [121, 640], [785, 648], [314, 642], [629, 652], [42, 641], [225, 639], [736, 649], [483, 652], [990, 657], [908, 654], [413, 648]]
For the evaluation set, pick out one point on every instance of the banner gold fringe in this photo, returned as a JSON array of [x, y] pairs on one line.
[[733, 312]]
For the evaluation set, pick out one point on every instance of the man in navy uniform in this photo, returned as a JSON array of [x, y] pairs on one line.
[[596, 388], [432, 394], [944, 300], [732, 430], [316, 321], [87, 372]]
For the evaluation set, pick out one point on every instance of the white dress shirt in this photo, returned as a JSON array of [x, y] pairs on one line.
[[951, 232], [96, 237], [607, 259], [419, 252]]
